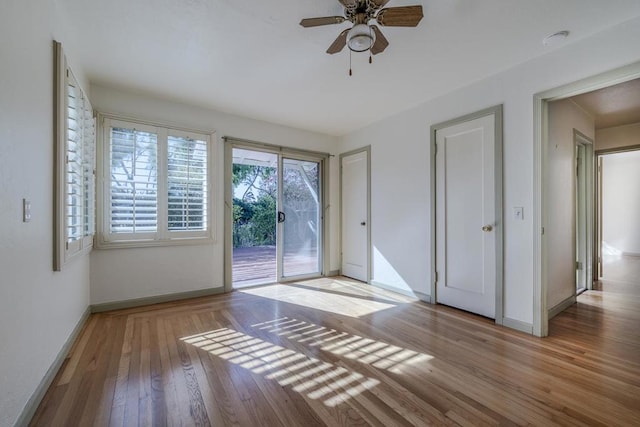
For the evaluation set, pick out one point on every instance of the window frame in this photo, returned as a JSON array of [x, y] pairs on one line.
[[162, 236], [64, 249]]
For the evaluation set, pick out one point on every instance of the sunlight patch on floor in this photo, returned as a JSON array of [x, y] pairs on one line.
[[305, 375], [364, 350], [345, 305]]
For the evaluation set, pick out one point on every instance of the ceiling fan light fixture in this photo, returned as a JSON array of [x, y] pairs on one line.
[[360, 38]]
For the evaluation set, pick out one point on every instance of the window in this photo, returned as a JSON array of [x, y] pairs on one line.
[[156, 184], [75, 166]]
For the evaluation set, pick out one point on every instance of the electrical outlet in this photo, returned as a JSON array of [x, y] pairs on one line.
[[518, 213], [26, 210]]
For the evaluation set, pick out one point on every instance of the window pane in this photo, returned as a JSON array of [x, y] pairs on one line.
[[187, 184], [134, 184]]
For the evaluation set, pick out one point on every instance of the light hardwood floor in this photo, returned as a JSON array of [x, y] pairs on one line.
[[335, 352]]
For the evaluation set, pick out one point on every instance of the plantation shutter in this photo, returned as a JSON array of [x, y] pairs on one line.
[[134, 181], [74, 185], [156, 185], [186, 183], [75, 163], [89, 167]]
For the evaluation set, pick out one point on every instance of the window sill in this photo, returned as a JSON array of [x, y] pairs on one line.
[[125, 244]]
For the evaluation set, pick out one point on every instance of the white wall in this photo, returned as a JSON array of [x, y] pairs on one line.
[[121, 274], [564, 117], [618, 136], [621, 201], [400, 162], [39, 308]]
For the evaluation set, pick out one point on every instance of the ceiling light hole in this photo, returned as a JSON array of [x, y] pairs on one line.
[[555, 38]]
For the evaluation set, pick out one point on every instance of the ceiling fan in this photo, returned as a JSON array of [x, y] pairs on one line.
[[362, 36]]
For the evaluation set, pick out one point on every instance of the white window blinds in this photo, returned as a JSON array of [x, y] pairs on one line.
[[89, 170], [156, 185], [75, 166], [134, 181], [74, 163], [187, 183]]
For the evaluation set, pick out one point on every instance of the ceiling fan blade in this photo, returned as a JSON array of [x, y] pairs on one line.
[[381, 42], [339, 43], [325, 20], [380, 3], [404, 16]]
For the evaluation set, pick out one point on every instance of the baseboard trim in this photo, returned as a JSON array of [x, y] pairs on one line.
[[423, 297], [333, 273], [34, 401], [413, 294], [560, 307], [517, 325], [138, 302]]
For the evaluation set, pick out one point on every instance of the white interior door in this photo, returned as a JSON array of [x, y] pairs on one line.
[[355, 213], [466, 217]]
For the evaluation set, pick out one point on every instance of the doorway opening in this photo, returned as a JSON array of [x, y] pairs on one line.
[[255, 195], [274, 217], [611, 101], [618, 211]]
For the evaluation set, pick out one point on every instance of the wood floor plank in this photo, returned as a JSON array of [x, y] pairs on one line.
[[175, 411], [190, 402], [336, 352]]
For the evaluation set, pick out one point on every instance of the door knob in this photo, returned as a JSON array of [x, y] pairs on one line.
[[487, 228], [363, 223]]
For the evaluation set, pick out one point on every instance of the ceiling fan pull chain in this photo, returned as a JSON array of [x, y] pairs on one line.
[[370, 45], [350, 73]]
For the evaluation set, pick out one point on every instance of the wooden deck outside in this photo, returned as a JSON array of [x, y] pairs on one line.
[[257, 265]]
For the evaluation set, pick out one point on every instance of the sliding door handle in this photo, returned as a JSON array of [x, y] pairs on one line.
[[281, 216]]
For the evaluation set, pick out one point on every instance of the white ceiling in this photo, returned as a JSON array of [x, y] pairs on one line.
[[251, 58]]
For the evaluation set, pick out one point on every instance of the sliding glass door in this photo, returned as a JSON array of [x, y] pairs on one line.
[[300, 218], [276, 217]]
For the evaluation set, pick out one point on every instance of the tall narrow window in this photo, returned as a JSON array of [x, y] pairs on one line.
[[156, 185], [75, 166]]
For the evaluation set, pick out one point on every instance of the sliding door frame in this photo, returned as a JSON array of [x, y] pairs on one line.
[[283, 152]]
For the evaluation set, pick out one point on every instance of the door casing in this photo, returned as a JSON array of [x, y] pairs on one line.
[[597, 243], [587, 193], [541, 102]]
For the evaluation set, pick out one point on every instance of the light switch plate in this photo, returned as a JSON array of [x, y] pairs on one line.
[[518, 213], [26, 210]]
